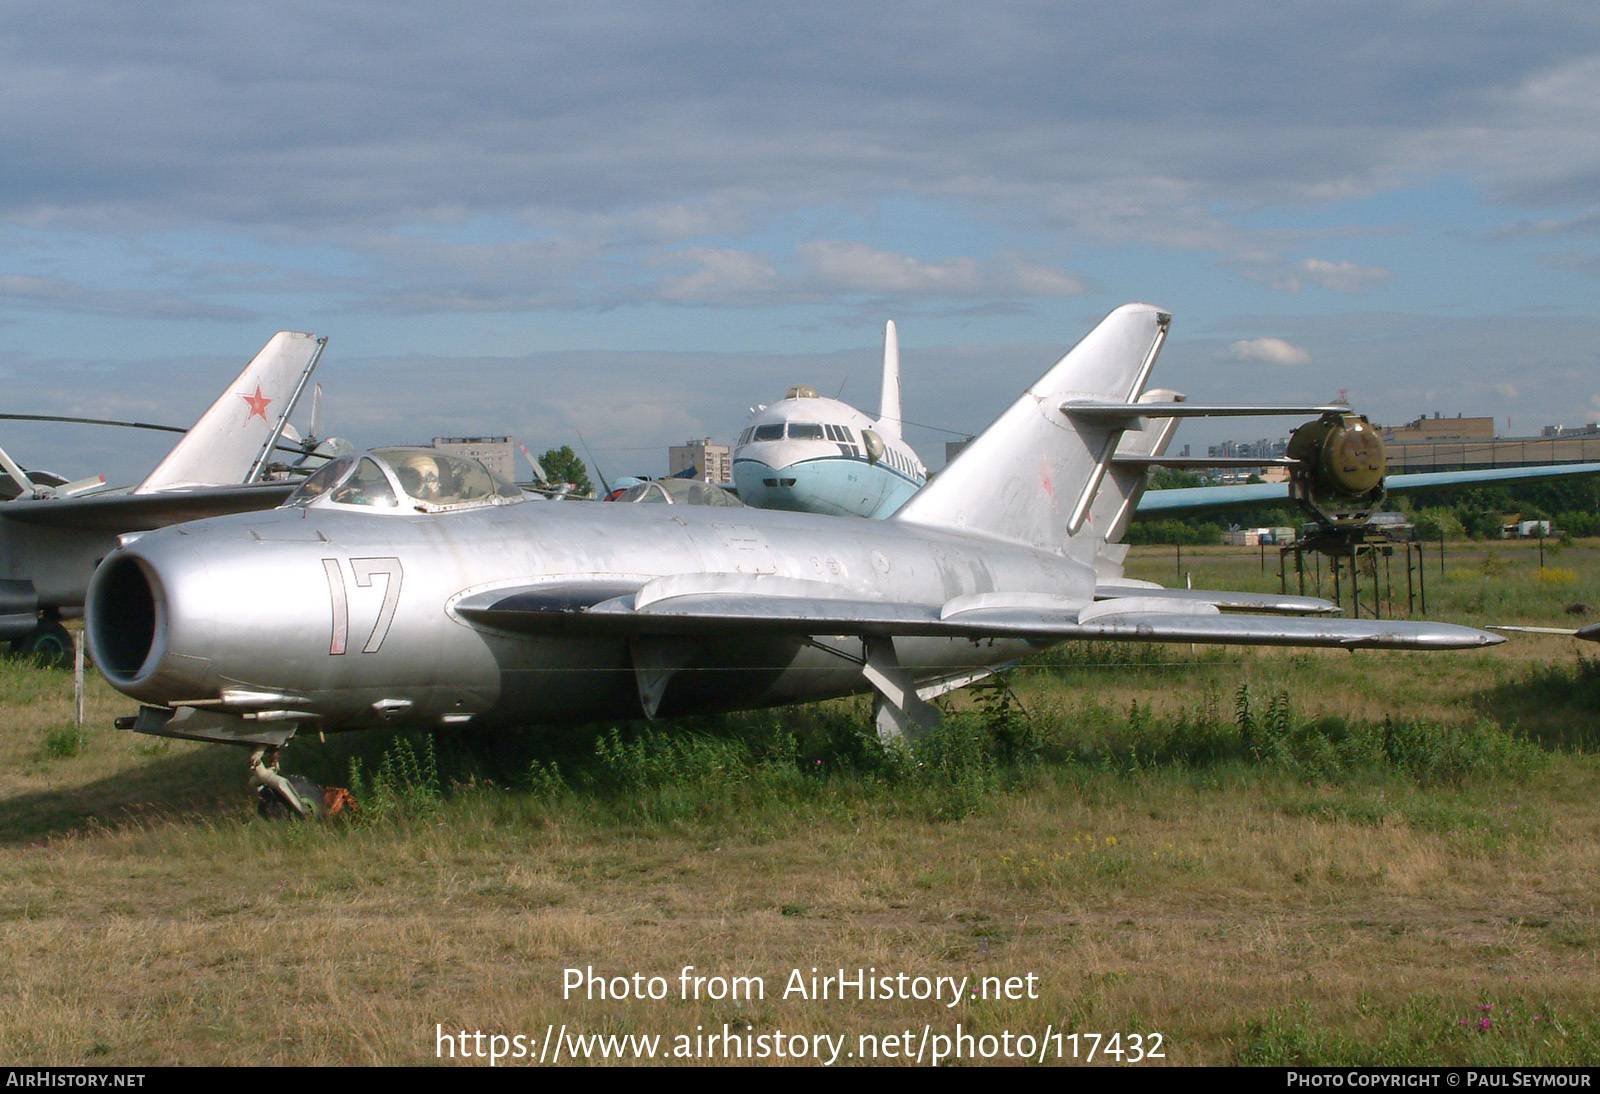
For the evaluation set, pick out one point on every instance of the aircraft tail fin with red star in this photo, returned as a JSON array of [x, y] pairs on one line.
[[234, 440], [1033, 476]]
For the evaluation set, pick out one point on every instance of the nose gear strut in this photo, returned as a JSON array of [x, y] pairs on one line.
[[293, 795]]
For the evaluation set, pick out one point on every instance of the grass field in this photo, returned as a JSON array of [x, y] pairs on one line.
[[1225, 856]]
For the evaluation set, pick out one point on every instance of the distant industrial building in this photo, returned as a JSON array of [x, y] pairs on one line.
[[714, 461], [498, 454], [1567, 433], [1426, 430], [1460, 443], [1438, 443]]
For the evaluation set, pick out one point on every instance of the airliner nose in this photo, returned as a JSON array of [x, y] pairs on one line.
[[762, 485]]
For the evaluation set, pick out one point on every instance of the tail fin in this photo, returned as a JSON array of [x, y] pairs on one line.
[[1033, 475], [233, 441], [889, 408]]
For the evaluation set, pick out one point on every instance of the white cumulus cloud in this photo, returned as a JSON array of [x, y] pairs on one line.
[[856, 267], [1343, 276], [719, 274], [1272, 351], [844, 266]]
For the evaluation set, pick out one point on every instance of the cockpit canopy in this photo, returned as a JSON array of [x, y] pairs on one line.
[[405, 479], [680, 492]]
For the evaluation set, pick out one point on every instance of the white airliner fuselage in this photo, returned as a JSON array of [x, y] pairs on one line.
[[815, 455]]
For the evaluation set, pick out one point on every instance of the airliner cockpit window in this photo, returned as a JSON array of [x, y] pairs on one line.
[[805, 431], [772, 432]]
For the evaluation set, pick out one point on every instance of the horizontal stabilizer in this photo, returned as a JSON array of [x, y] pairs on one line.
[[1202, 462], [1117, 412]]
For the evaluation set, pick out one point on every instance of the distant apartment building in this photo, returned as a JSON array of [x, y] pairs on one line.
[[1262, 449], [714, 461], [498, 454]]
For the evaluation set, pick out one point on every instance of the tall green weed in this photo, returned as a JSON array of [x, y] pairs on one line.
[[405, 784]]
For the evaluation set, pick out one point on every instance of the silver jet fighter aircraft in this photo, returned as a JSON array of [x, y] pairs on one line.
[[406, 588]]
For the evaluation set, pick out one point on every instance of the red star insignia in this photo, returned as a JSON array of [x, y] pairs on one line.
[[258, 404]]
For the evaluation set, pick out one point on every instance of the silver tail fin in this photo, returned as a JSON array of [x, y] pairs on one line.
[[233, 441], [1032, 476]]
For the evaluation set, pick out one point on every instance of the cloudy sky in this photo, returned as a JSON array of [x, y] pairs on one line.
[[638, 220]]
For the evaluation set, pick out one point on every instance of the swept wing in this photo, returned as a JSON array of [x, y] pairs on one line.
[[754, 604]]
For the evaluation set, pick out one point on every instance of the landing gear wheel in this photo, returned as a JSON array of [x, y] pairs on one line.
[[48, 645], [272, 804], [280, 796]]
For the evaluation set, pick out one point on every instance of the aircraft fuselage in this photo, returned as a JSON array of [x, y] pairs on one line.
[[349, 617]]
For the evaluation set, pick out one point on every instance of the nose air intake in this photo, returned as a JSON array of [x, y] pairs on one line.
[[126, 620]]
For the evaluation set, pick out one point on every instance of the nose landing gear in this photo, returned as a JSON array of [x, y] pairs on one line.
[[293, 795]]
